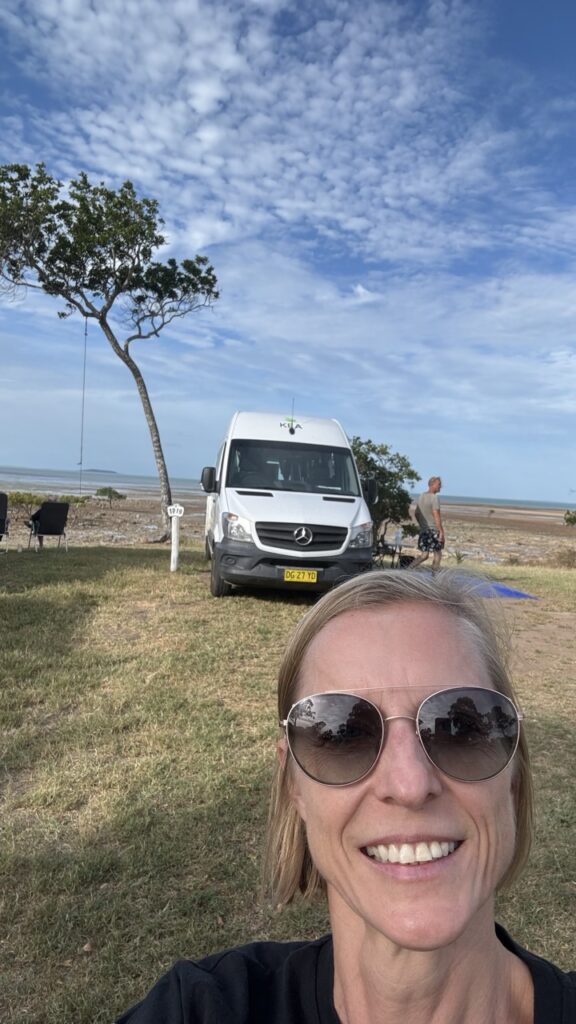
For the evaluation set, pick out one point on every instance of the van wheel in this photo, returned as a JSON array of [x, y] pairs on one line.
[[218, 586]]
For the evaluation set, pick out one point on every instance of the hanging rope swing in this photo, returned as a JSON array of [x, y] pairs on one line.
[[81, 461]]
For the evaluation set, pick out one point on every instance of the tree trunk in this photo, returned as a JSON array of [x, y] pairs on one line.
[[165, 489]]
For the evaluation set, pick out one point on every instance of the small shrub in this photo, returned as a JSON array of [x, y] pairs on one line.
[[459, 556], [110, 494], [23, 503], [19, 498], [570, 517], [513, 560]]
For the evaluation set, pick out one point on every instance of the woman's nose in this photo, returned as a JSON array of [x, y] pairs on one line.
[[403, 773]]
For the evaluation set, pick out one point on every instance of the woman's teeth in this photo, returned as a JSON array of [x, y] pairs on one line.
[[411, 853]]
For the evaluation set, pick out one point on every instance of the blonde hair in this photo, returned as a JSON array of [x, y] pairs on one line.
[[288, 867]]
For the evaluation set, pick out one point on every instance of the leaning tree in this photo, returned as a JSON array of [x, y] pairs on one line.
[[93, 247]]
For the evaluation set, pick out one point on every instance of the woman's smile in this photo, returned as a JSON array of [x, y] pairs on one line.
[[421, 852]]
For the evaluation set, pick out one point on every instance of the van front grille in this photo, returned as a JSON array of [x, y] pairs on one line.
[[283, 535]]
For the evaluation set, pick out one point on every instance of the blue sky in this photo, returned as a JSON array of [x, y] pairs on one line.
[[387, 192]]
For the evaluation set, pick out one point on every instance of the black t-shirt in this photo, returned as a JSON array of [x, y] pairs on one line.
[[292, 983]]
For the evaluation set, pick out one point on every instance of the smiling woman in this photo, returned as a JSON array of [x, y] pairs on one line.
[[403, 791]]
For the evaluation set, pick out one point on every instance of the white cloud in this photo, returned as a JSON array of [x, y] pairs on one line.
[[312, 125], [381, 199]]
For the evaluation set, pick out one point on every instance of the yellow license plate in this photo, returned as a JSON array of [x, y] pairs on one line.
[[300, 575]]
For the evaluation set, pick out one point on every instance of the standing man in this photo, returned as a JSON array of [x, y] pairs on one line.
[[431, 535]]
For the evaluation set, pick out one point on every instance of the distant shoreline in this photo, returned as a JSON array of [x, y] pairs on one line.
[[459, 509], [57, 482], [546, 520], [49, 481]]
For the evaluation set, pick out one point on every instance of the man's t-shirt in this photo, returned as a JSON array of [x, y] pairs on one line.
[[425, 506], [292, 983]]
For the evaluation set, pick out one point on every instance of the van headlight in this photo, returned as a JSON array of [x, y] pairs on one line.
[[361, 536], [235, 527]]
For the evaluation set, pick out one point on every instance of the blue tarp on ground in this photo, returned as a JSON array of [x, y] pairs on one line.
[[492, 589], [489, 588]]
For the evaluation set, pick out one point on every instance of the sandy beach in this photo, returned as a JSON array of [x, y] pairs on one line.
[[507, 534], [473, 532]]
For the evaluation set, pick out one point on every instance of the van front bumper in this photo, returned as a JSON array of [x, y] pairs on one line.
[[247, 565]]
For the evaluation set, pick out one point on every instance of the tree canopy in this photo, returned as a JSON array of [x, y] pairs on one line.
[[93, 247], [392, 472]]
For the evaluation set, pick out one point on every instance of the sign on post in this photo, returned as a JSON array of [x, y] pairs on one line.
[[175, 512]]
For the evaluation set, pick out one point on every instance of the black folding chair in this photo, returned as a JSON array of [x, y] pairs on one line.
[[49, 521], [4, 519]]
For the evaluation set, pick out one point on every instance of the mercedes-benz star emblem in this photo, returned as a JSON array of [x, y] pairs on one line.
[[303, 536]]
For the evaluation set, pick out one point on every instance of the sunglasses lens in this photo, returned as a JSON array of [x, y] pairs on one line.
[[470, 734], [335, 738]]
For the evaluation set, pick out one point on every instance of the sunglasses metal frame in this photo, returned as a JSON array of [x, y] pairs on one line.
[[284, 722]]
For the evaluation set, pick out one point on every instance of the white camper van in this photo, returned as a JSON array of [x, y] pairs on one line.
[[285, 506]]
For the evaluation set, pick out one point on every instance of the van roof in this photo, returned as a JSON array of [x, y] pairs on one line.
[[266, 426]]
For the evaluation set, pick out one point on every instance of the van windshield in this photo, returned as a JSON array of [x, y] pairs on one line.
[[286, 466]]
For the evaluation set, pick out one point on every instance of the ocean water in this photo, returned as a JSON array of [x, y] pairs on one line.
[[61, 481]]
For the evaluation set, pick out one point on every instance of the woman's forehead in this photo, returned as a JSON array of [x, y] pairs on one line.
[[412, 645], [403, 627], [366, 617]]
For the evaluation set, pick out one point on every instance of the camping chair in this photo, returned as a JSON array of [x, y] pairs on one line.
[[4, 518], [49, 521]]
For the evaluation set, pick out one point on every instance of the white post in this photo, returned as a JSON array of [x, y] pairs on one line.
[[175, 512]]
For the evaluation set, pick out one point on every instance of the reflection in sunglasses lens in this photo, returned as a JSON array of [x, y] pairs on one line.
[[468, 733], [335, 738]]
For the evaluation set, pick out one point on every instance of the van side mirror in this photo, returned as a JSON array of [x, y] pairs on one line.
[[370, 490], [208, 479]]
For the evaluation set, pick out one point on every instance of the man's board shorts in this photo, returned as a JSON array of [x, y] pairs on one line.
[[428, 540]]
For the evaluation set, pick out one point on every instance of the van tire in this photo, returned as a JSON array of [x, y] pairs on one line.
[[218, 586]]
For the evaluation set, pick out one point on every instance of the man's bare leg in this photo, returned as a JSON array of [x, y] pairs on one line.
[[418, 561]]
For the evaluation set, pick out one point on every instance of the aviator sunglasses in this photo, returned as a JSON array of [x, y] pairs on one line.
[[469, 733]]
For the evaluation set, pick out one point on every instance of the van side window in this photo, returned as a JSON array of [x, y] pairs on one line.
[[219, 462], [234, 467]]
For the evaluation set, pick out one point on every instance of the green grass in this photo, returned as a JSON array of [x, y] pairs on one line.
[[138, 727]]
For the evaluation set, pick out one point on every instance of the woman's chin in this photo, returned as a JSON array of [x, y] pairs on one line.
[[425, 924]]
